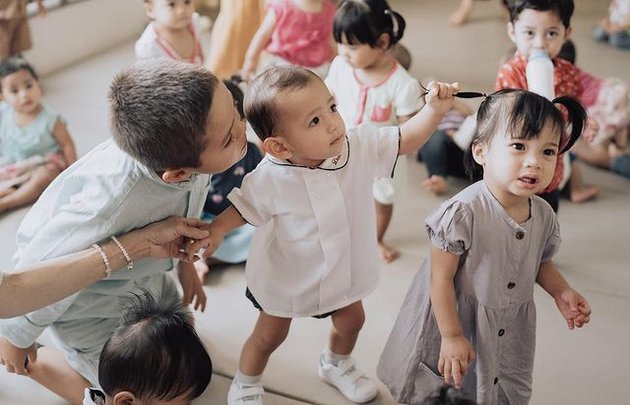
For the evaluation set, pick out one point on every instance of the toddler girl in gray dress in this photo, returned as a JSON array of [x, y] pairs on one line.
[[469, 314]]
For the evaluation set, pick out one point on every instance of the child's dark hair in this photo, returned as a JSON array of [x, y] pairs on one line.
[[234, 87], [159, 110], [447, 395], [14, 64], [523, 115], [568, 52], [562, 8], [155, 352], [260, 106], [363, 22]]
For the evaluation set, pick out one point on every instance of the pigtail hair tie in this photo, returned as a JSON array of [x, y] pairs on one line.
[[395, 27]]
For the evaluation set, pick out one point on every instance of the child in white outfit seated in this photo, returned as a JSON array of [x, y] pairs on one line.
[[173, 32], [314, 252]]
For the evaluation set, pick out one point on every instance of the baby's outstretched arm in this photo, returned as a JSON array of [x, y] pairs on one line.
[[456, 352], [573, 307], [226, 221], [415, 132]]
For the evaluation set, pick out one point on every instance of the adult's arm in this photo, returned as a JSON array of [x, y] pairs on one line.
[[47, 282]]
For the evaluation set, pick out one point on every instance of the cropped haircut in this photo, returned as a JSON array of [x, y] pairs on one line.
[[155, 352], [562, 8], [159, 110], [260, 106], [523, 114], [14, 64], [363, 22]]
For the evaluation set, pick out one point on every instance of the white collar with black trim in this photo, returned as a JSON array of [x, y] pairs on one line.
[[332, 163]]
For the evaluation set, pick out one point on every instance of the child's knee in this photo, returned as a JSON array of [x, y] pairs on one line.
[[351, 322], [270, 340]]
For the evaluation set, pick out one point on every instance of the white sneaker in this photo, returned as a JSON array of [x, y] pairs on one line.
[[245, 394], [351, 381]]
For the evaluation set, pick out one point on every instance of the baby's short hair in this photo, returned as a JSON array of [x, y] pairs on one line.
[[159, 110], [154, 352], [562, 8], [13, 64], [260, 99]]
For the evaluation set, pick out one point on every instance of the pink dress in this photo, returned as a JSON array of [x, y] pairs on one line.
[[302, 38]]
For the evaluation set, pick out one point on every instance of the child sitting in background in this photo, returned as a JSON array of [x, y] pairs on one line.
[[314, 251], [153, 356], [15, 35], [469, 314], [441, 155], [615, 28], [545, 25], [608, 102], [293, 32], [172, 32], [370, 86], [35, 145], [157, 165], [235, 246]]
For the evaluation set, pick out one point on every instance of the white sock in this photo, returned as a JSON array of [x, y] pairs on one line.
[[334, 358], [244, 379]]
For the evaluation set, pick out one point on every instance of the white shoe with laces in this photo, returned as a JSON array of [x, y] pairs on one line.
[[351, 381], [240, 394]]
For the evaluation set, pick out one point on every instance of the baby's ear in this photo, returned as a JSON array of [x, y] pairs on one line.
[[511, 33], [277, 147], [383, 41], [124, 398], [148, 9], [479, 153]]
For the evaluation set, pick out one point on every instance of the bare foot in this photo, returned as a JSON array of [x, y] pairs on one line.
[[584, 194], [387, 253], [202, 269], [462, 13], [436, 184]]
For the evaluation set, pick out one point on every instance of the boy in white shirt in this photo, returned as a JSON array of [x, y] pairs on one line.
[[314, 252]]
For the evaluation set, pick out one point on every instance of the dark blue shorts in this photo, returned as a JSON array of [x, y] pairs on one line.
[[250, 297]]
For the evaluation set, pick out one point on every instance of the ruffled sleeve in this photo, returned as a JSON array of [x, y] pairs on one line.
[[450, 227]]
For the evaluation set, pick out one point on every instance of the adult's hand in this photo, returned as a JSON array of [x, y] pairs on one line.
[[166, 238]]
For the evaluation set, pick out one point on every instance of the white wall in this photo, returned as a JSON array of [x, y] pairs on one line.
[[76, 31]]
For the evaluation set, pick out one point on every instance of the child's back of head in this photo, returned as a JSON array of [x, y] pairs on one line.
[[562, 8], [159, 112], [154, 353]]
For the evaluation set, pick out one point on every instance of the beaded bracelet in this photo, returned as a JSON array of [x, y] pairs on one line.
[[124, 252], [108, 269]]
